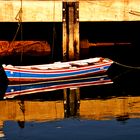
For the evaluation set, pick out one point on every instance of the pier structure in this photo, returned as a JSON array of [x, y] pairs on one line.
[[89, 10], [69, 13]]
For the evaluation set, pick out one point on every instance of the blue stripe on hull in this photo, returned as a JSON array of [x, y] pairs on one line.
[[50, 75], [54, 83]]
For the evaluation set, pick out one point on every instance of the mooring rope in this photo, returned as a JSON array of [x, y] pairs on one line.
[[127, 66], [19, 19], [122, 73], [21, 32], [130, 69]]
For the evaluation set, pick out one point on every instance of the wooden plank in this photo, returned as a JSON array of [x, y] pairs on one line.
[[109, 10], [70, 31], [89, 10], [76, 32], [65, 39], [33, 11]]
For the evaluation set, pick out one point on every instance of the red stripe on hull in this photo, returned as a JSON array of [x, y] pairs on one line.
[[33, 80], [45, 89], [60, 70]]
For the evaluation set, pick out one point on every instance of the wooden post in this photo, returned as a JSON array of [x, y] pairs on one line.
[[64, 37], [70, 31], [71, 52]]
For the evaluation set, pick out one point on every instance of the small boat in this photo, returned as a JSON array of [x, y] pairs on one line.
[[39, 87], [57, 70]]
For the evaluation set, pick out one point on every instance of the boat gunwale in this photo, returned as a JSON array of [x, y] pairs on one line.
[[59, 70]]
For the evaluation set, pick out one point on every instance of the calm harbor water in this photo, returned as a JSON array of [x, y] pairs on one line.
[[101, 113]]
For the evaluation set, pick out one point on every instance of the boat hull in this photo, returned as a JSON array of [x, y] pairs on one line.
[[22, 75]]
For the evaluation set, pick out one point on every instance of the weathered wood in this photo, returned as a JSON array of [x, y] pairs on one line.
[[51, 10], [109, 10], [76, 32], [33, 11], [70, 30], [31, 48], [65, 38], [70, 26], [85, 44]]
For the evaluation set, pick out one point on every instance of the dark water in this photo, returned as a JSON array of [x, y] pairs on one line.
[[101, 112], [105, 112], [72, 128], [109, 112]]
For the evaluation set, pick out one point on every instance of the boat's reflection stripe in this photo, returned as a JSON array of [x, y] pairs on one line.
[[55, 85]]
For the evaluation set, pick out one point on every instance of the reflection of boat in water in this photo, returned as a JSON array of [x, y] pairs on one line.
[[23, 89], [57, 71]]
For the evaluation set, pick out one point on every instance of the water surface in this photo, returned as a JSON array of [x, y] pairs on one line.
[[100, 113]]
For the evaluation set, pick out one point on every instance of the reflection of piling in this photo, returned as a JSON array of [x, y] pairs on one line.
[[1, 131], [21, 123], [71, 102]]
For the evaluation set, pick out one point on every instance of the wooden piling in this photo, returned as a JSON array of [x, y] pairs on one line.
[[70, 31], [71, 51]]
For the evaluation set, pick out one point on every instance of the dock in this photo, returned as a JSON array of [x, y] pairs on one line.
[[69, 14], [51, 10]]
